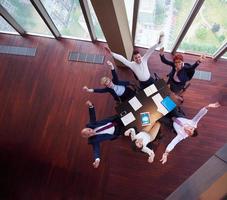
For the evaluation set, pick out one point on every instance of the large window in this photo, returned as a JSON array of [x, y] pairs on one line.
[[68, 17], [209, 30], [225, 55], [5, 27], [98, 30], [161, 15], [25, 15], [129, 5]]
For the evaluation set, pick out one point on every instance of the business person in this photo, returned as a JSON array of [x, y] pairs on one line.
[[139, 64], [180, 73], [97, 131], [186, 128], [120, 90], [143, 139]]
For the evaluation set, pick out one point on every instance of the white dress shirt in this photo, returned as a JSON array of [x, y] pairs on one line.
[[181, 134], [146, 139], [141, 70]]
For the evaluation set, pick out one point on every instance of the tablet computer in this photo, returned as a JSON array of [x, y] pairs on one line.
[[145, 118]]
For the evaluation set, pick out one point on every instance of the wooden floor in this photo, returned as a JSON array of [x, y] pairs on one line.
[[42, 155]]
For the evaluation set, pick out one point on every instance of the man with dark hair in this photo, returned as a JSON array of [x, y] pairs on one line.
[[139, 64], [99, 131], [186, 128]]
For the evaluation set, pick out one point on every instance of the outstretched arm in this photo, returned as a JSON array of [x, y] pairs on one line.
[[150, 152], [96, 152], [85, 88], [114, 74], [163, 59], [96, 90], [131, 132], [92, 114], [170, 147], [122, 59], [196, 64], [203, 111], [119, 58], [152, 49], [149, 52]]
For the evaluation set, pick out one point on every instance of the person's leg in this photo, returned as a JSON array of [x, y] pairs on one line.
[[154, 130], [129, 93], [144, 84]]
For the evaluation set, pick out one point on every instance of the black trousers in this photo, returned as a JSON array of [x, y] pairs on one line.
[[129, 93], [144, 84]]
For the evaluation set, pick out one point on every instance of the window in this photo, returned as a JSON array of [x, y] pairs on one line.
[[129, 5], [68, 17], [98, 30], [225, 55], [209, 30], [25, 15], [163, 15], [5, 27]]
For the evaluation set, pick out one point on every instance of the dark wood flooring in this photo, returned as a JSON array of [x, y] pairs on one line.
[[42, 110]]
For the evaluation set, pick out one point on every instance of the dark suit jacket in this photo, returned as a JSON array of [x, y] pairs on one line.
[[96, 139], [184, 75], [116, 81]]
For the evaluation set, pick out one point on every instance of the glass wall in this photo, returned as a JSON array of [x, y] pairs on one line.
[[161, 15], [209, 30], [129, 5], [98, 30], [67, 17], [5, 27], [25, 15], [225, 55]]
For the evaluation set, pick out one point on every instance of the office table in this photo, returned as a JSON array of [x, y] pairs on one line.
[[147, 106]]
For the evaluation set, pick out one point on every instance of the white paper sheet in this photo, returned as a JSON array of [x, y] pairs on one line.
[[158, 99], [127, 119], [150, 90], [135, 103]]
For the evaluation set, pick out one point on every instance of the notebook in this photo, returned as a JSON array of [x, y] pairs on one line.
[[168, 103]]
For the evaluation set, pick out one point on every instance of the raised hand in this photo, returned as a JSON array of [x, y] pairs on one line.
[[96, 163], [108, 50], [85, 88], [151, 158], [164, 158], [88, 102], [110, 64], [127, 133], [161, 38], [161, 51], [202, 58], [214, 105]]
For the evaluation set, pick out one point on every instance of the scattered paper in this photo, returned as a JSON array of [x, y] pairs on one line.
[[158, 99], [135, 103], [127, 119], [150, 90]]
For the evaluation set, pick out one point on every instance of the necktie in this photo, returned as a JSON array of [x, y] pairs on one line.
[[105, 127], [178, 122]]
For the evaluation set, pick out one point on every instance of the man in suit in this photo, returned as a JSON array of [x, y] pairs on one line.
[[101, 130]]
